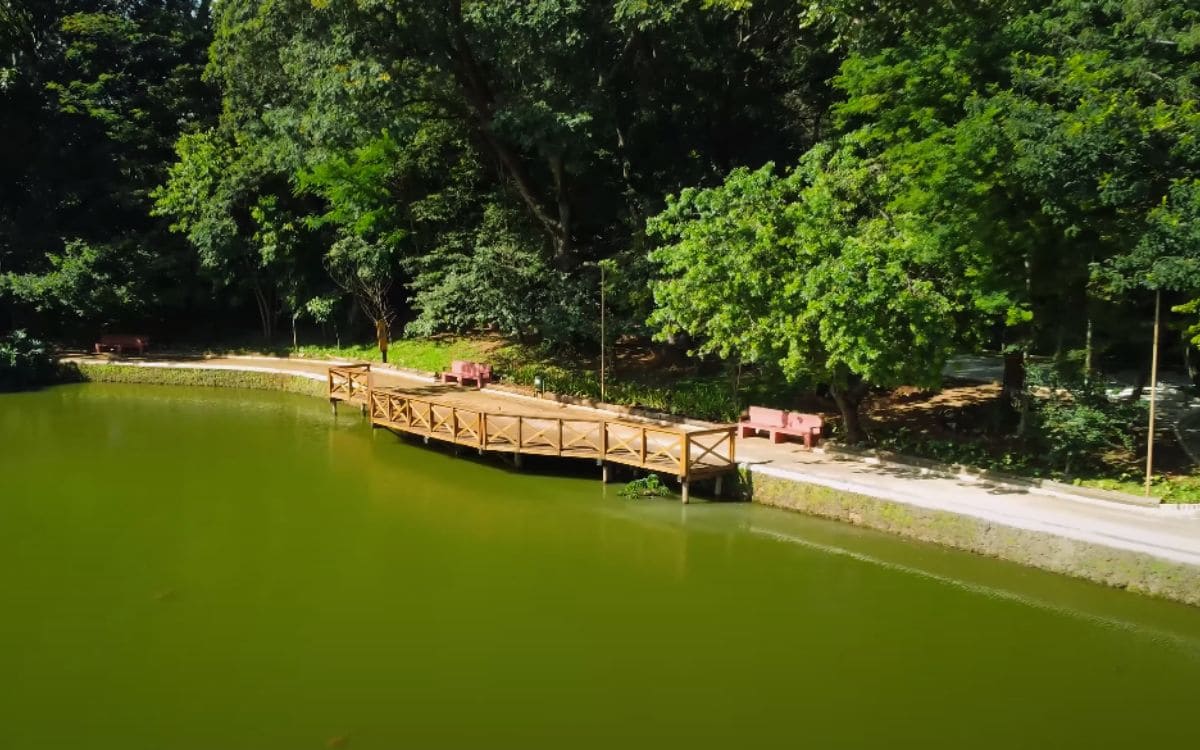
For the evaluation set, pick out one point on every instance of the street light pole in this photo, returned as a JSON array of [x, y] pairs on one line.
[[1153, 392], [602, 339]]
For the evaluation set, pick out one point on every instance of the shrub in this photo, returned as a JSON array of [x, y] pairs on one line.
[[1075, 424], [24, 362], [650, 486]]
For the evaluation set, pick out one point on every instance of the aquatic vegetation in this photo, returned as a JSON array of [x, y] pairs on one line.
[[649, 486]]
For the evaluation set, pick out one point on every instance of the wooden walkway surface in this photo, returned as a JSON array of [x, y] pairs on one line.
[[451, 415]]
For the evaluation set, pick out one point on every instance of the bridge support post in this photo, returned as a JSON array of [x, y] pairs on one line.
[[683, 482], [604, 472], [333, 406], [720, 485], [517, 460]]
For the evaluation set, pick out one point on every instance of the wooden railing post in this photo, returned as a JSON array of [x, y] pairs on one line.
[[560, 437], [483, 430], [643, 446], [685, 445]]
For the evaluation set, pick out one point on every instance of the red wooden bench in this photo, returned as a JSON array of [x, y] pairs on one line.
[[780, 423], [119, 342], [461, 371]]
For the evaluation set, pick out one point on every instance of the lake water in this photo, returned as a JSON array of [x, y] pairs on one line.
[[228, 570]]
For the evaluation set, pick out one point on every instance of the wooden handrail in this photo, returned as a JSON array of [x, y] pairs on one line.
[[649, 446], [712, 431]]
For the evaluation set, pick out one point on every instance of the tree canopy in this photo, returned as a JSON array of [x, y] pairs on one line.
[[844, 192]]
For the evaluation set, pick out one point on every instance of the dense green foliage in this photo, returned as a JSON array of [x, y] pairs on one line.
[[93, 95], [24, 362], [465, 165], [993, 176], [837, 195]]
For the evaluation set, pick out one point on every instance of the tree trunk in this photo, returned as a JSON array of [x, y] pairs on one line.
[[1139, 386], [849, 401], [472, 80], [562, 242], [264, 311], [1014, 375], [1087, 352]]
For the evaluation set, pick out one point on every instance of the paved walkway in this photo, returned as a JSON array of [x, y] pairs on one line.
[[1167, 532]]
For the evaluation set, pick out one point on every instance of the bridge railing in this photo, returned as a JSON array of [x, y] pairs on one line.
[[350, 383], [682, 453]]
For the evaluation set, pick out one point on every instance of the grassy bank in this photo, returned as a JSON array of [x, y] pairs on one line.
[[73, 372]]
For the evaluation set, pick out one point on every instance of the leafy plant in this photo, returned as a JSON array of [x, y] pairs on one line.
[[649, 486], [1075, 424], [24, 362]]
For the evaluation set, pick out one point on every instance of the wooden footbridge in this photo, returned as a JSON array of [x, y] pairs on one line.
[[439, 413]]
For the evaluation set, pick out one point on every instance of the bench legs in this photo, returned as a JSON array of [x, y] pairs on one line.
[[745, 431]]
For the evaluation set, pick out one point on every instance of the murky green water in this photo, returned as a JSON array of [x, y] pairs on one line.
[[223, 570]]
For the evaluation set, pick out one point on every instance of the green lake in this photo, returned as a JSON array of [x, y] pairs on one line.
[[225, 570]]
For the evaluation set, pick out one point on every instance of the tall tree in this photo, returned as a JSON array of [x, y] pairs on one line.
[[95, 94]]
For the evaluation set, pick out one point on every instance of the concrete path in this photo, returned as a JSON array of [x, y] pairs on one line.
[[1168, 532]]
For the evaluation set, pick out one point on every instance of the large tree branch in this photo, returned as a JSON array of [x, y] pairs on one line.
[[622, 59], [473, 82]]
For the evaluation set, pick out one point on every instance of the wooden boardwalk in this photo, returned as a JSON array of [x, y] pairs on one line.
[[433, 414]]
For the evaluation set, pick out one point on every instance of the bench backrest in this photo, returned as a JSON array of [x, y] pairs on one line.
[[772, 417], [798, 421], [123, 339], [463, 368]]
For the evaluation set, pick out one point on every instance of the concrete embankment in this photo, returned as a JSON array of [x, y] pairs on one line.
[[1144, 572]]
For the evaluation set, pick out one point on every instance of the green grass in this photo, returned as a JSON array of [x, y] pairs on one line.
[[427, 355], [1183, 489], [183, 376]]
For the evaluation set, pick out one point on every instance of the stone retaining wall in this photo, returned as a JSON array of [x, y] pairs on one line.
[[191, 376], [1113, 567]]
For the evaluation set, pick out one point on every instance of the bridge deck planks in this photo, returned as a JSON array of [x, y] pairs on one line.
[[686, 454]]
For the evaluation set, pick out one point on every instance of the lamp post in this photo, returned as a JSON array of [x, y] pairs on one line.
[[1153, 393], [602, 339]]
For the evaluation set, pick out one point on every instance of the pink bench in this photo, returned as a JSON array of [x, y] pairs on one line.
[[461, 371], [115, 342], [779, 423]]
